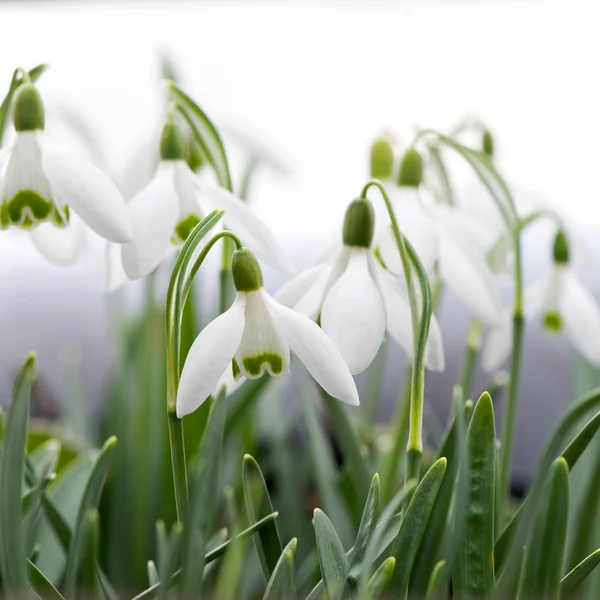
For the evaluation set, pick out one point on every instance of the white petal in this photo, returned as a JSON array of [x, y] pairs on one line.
[[89, 192], [353, 314], [153, 213], [229, 381], [498, 345], [581, 317], [209, 356], [242, 221], [60, 245], [399, 322], [114, 273], [186, 190], [465, 271], [291, 292], [318, 353], [262, 347]]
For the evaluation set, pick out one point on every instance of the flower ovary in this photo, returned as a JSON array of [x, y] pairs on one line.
[[359, 223], [28, 109], [173, 145], [411, 169], [382, 159], [247, 274]]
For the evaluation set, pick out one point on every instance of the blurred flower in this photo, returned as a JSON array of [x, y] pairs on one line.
[[175, 201], [50, 193], [444, 236], [256, 335], [563, 302], [358, 299]]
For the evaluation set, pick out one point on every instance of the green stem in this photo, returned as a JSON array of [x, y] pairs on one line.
[[473, 345], [178, 463]]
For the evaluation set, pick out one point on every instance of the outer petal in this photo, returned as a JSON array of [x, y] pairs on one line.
[[581, 317], [318, 353], [90, 193], [209, 356], [242, 220], [497, 346], [399, 322], [464, 269], [114, 273], [353, 314], [229, 381], [60, 245], [291, 292], [153, 213]]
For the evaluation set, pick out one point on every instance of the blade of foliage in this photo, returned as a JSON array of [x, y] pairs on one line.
[[332, 558], [152, 571], [206, 134], [40, 584], [204, 480], [436, 588], [413, 526], [45, 458], [380, 582], [281, 584], [89, 500], [368, 523], [574, 577], [473, 574], [106, 587], [91, 537], [175, 542], [258, 504], [12, 469], [545, 550]]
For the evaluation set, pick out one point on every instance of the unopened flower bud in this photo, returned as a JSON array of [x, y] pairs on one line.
[[411, 169], [247, 274], [359, 223], [28, 108], [382, 159], [172, 143], [560, 250], [487, 143]]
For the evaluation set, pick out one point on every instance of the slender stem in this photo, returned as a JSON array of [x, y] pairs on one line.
[[178, 464], [473, 346]]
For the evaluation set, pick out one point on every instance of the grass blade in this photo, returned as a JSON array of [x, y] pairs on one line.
[[281, 584], [436, 588], [41, 584], [573, 578], [332, 558], [12, 468], [380, 582]]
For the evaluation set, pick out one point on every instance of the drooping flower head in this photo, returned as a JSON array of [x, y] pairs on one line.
[[256, 335], [44, 190]]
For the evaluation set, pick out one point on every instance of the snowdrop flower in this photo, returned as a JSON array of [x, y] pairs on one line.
[[175, 201], [564, 305], [444, 236], [50, 193], [358, 299], [256, 335]]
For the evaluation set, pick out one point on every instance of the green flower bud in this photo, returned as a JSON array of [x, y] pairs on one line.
[[411, 169], [487, 143], [560, 251], [194, 155], [359, 223], [382, 159], [172, 143], [247, 275], [28, 108]]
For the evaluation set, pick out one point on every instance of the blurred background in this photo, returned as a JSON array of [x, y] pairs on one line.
[[314, 84]]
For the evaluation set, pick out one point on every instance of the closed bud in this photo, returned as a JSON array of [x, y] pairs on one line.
[[411, 169], [28, 109], [359, 223], [382, 159], [247, 274], [172, 143]]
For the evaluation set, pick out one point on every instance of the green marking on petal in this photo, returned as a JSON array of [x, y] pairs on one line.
[[184, 228], [27, 208], [254, 364], [236, 369], [61, 220], [553, 322], [4, 216]]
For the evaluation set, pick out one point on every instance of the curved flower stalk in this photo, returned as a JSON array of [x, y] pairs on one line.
[[564, 304], [50, 193], [444, 236], [175, 201], [358, 300]]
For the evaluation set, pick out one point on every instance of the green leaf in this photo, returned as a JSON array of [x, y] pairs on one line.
[[41, 584], [413, 526], [436, 587], [153, 578], [45, 458], [107, 589], [206, 134], [91, 538], [473, 574], [545, 549], [332, 558], [175, 542], [89, 500], [258, 504], [380, 582], [281, 584], [12, 468], [574, 577], [368, 523], [204, 480]]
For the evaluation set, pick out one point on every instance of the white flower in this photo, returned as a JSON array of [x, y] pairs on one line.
[[444, 236], [358, 299], [175, 201], [256, 335], [563, 303], [50, 193]]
